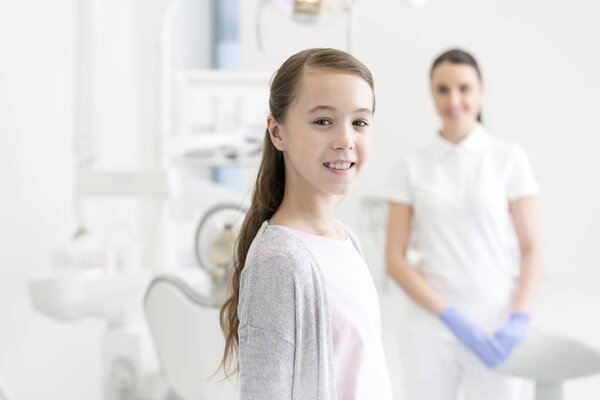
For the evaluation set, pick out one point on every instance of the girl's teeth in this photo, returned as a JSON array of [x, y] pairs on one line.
[[338, 165]]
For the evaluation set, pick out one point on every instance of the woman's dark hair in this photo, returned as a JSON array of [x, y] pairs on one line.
[[270, 182], [457, 56]]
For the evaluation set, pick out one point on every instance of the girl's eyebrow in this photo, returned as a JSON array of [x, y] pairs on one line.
[[365, 110], [321, 108], [329, 108]]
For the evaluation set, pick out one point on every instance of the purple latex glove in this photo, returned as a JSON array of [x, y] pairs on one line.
[[514, 332], [487, 348]]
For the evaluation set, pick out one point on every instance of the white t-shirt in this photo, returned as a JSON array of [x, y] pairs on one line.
[[461, 227], [358, 358]]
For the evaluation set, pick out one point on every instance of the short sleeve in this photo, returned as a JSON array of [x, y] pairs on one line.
[[521, 180], [398, 188]]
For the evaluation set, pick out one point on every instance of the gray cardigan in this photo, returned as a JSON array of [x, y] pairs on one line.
[[286, 351]]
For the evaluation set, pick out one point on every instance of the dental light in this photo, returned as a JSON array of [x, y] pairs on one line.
[[307, 7], [311, 12]]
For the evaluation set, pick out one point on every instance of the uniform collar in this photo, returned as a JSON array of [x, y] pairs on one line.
[[473, 143]]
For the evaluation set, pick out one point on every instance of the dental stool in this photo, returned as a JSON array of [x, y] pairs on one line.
[[550, 360], [187, 335]]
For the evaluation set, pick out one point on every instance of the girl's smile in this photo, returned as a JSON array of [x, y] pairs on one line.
[[326, 135], [340, 167]]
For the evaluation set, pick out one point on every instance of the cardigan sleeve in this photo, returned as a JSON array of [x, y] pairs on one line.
[[266, 365], [267, 329]]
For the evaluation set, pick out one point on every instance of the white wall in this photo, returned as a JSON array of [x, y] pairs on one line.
[[540, 67], [38, 357]]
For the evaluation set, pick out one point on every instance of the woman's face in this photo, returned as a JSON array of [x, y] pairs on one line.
[[457, 93], [326, 135]]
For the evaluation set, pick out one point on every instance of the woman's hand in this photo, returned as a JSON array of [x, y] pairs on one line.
[[514, 332], [488, 348]]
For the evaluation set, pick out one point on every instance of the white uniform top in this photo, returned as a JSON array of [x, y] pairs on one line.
[[359, 362], [461, 225]]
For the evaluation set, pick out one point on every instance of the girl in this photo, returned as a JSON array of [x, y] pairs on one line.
[[304, 315], [458, 200]]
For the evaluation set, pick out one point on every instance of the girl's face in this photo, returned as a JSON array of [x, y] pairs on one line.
[[326, 135], [457, 93]]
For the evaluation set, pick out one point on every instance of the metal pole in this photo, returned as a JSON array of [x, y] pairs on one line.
[[549, 391]]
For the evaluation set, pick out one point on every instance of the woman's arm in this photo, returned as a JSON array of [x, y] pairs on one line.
[[413, 283], [417, 287], [524, 216]]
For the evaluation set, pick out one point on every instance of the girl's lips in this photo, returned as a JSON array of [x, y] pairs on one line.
[[336, 171]]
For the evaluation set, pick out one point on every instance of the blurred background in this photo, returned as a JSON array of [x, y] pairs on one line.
[[123, 122]]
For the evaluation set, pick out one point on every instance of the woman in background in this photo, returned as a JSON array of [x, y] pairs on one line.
[[459, 202]]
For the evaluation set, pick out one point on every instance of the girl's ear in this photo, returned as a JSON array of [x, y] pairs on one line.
[[275, 133]]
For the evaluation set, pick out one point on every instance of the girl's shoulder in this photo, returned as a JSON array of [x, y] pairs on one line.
[[279, 280], [278, 251]]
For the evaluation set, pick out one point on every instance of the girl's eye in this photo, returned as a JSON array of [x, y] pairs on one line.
[[464, 88], [360, 123], [323, 122], [442, 89]]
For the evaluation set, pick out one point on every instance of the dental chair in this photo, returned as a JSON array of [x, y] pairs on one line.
[[549, 360], [187, 335]]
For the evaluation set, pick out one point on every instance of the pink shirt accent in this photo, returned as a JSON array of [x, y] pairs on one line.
[[359, 362]]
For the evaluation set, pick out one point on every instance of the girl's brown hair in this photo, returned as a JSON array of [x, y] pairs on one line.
[[270, 182]]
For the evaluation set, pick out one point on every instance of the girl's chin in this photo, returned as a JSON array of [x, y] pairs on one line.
[[340, 190]]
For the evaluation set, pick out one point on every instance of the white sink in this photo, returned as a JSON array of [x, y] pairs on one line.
[[71, 295]]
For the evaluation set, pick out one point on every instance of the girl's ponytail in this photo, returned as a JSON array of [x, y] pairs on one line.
[[266, 198]]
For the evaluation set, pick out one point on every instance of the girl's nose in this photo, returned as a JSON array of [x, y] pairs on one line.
[[344, 139]]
